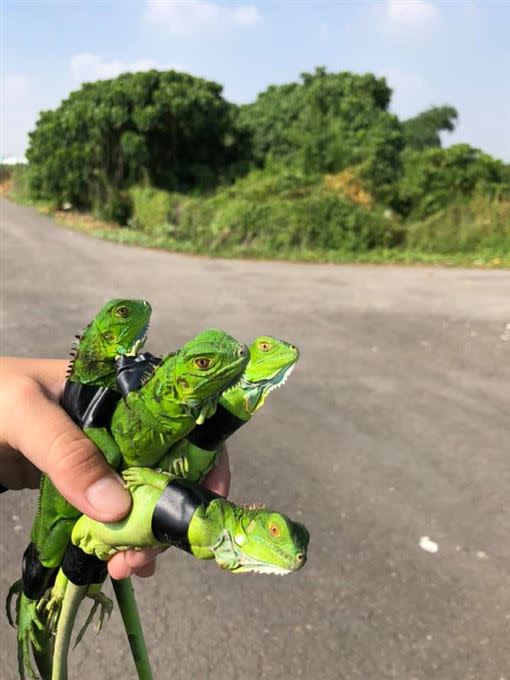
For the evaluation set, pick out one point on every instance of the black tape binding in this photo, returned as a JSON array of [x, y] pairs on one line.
[[82, 569], [175, 509], [133, 371], [36, 577], [89, 405], [215, 430]]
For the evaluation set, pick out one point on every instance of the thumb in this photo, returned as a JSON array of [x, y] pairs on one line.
[[46, 435]]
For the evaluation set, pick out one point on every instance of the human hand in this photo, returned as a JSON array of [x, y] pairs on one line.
[[36, 435]]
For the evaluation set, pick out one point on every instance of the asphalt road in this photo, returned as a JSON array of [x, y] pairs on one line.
[[394, 426]]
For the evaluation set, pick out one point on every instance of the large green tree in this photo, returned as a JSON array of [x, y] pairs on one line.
[[171, 129], [326, 123], [422, 131]]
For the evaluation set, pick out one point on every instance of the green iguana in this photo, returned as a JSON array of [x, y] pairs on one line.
[[119, 328], [181, 391], [271, 362], [169, 511]]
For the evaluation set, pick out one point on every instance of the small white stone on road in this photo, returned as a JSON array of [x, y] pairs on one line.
[[428, 545], [18, 528], [482, 555], [15, 518]]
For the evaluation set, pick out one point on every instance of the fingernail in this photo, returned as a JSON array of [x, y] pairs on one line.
[[109, 498]]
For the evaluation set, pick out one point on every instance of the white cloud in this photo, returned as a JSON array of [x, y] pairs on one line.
[[187, 17], [404, 17], [90, 67]]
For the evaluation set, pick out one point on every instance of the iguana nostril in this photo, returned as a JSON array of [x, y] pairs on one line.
[[243, 351]]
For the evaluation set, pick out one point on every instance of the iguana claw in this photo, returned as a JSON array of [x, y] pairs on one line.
[[105, 606], [51, 606], [180, 467], [29, 625], [15, 589]]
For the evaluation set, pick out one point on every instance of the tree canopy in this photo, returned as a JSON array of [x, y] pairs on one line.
[[326, 123], [171, 131], [423, 130], [169, 128]]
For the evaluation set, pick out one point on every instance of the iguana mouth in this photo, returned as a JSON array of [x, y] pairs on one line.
[[139, 341], [261, 568], [238, 562]]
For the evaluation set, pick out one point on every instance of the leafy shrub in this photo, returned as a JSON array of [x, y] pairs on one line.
[[151, 207], [281, 214], [464, 226], [434, 178]]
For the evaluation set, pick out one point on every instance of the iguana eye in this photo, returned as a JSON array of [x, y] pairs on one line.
[[265, 346], [122, 311], [274, 530], [202, 363]]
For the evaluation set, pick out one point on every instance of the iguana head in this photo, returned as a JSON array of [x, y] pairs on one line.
[[271, 363], [260, 541], [203, 368], [120, 327]]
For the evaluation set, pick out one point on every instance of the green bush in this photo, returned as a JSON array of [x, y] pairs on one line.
[[464, 226], [434, 178], [282, 213], [151, 207]]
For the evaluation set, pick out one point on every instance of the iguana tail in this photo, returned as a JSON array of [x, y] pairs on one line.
[[72, 600]]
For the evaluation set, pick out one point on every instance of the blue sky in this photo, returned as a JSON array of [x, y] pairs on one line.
[[431, 51]]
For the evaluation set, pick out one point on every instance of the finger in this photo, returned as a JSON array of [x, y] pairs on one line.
[[46, 435], [218, 480], [124, 564], [118, 567], [147, 570], [139, 558]]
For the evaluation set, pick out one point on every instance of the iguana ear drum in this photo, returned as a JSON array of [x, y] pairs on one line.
[[175, 509]]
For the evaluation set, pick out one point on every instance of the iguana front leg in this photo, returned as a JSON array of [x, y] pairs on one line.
[[141, 476], [106, 444]]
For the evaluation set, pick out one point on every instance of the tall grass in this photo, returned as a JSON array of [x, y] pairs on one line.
[[464, 226]]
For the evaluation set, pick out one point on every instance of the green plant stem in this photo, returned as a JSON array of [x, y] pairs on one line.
[[127, 604]]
